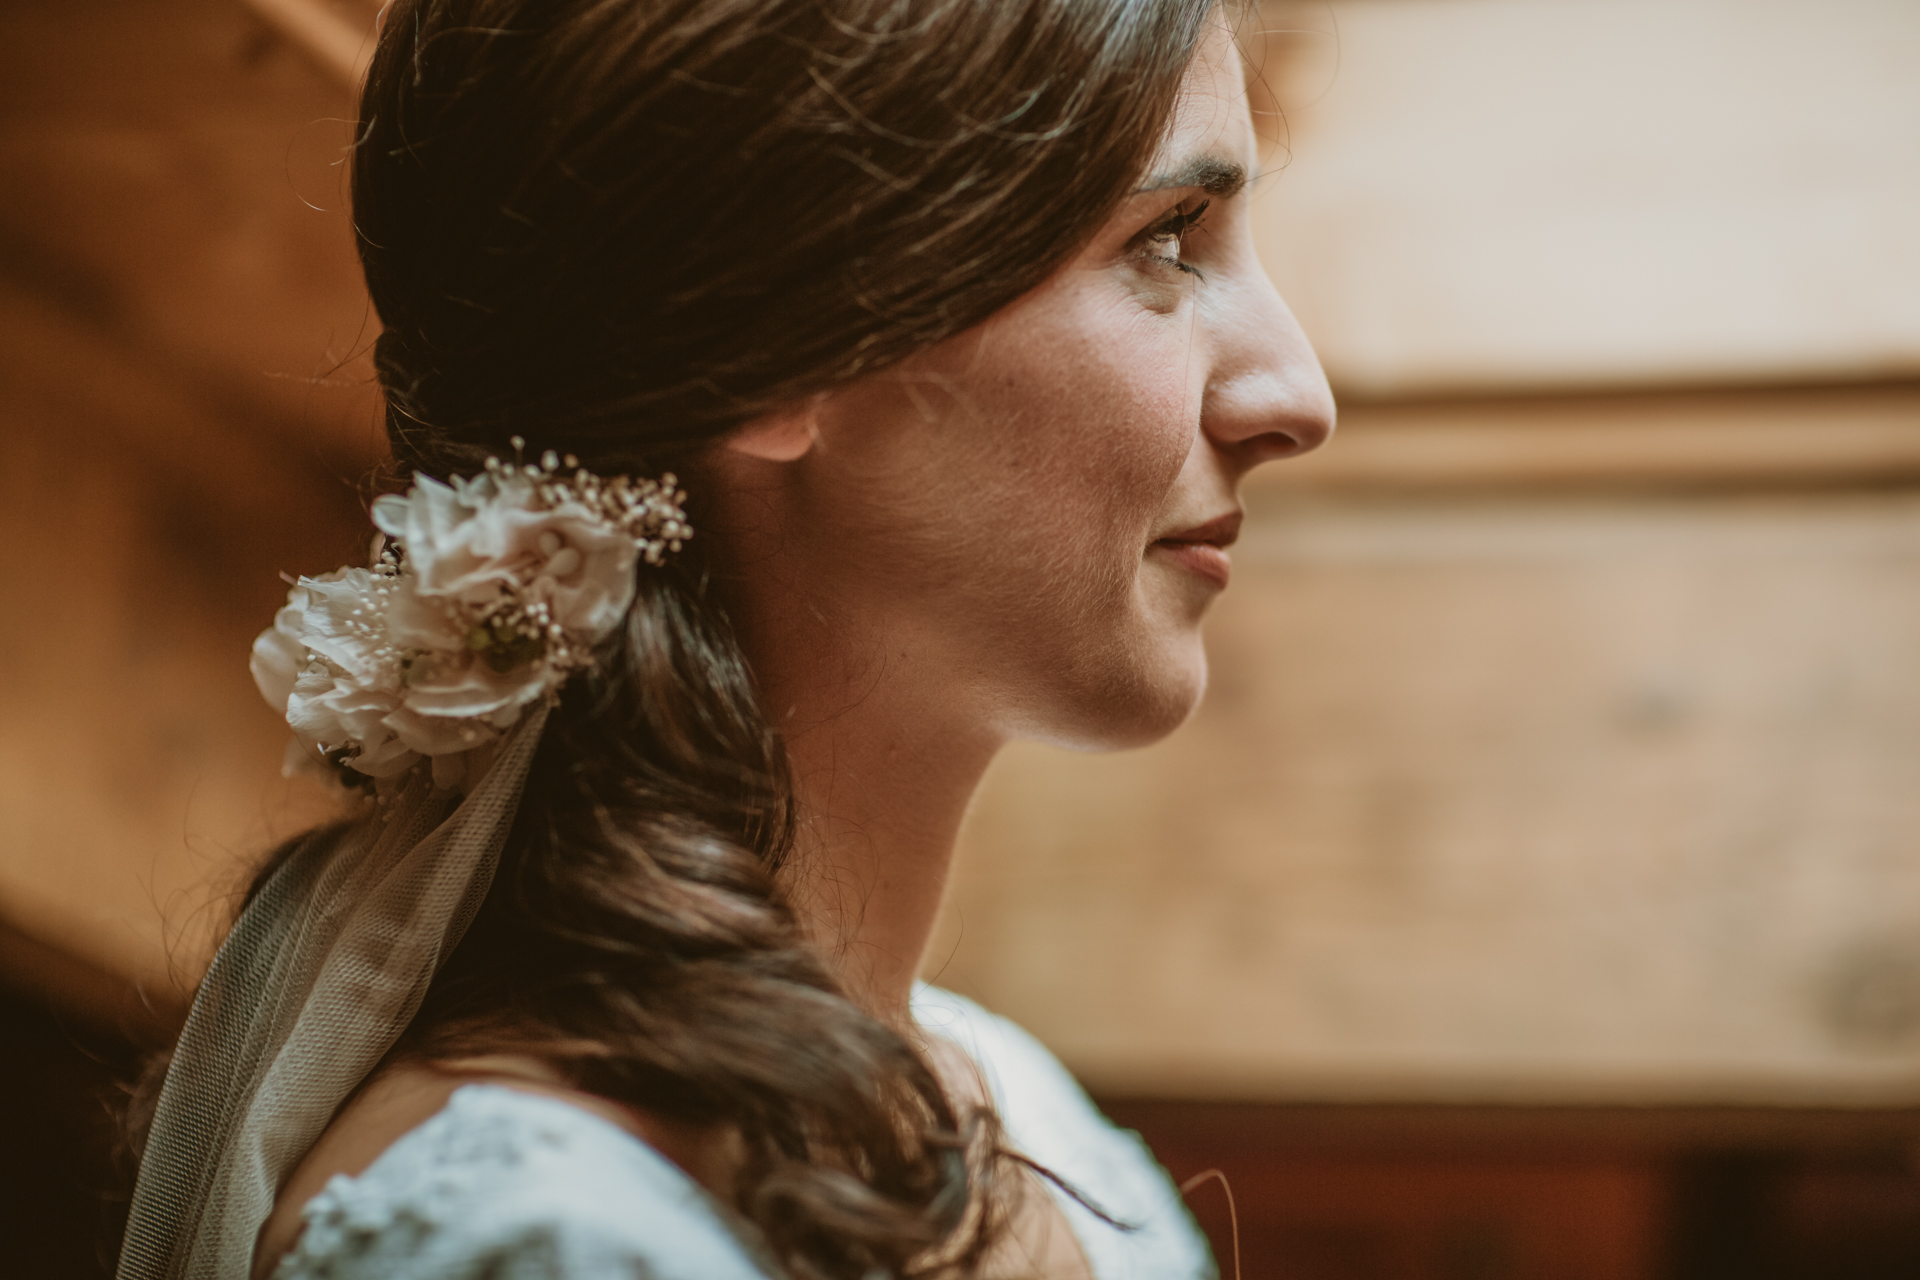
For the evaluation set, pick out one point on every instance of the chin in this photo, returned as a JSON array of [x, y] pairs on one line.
[[1139, 704], [1173, 703]]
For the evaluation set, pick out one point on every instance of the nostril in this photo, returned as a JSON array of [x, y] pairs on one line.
[[1313, 431], [1290, 442], [1277, 445]]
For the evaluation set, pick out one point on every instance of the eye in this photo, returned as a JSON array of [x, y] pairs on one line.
[[1165, 241]]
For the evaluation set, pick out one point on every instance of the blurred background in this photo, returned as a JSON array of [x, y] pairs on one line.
[[1536, 895]]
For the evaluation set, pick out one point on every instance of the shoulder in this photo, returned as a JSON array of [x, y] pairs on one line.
[[507, 1184], [1050, 1118], [1038, 1099], [1027, 1082]]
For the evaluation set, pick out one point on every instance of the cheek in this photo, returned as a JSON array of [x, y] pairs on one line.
[[997, 495], [1110, 416], [1107, 420]]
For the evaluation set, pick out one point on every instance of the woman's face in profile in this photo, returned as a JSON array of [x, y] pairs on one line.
[[1036, 512]]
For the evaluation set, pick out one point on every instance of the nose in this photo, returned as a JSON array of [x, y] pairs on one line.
[[1266, 396]]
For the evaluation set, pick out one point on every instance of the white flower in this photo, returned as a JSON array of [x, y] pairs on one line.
[[502, 585], [328, 665], [279, 653], [329, 710], [464, 689], [470, 543]]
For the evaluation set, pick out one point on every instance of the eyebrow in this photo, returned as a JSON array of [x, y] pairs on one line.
[[1211, 174]]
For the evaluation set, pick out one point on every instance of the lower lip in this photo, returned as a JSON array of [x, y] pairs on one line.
[[1202, 559]]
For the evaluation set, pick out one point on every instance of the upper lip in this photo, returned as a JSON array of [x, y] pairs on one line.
[[1221, 531]]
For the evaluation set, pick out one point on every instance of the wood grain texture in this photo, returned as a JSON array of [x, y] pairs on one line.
[[1698, 441], [338, 38], [184, 412]]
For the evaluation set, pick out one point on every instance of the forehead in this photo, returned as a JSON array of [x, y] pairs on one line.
[[1210, 116]]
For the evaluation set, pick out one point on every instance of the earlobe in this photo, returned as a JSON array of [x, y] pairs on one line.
[[786, 435]]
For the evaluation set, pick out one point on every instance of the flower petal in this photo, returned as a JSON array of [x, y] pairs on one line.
[[276, 662]]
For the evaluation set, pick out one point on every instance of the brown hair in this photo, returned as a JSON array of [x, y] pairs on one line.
[[619, 228]]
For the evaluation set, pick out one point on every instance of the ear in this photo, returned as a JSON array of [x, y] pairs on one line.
[[785, 435]]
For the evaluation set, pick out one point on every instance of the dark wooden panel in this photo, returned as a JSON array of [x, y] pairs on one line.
[[1517, 1193], [63, 1173]]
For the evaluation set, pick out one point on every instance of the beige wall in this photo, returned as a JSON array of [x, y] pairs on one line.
[[1483, 194]]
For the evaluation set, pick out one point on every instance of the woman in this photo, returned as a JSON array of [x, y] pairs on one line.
[[946, 316]]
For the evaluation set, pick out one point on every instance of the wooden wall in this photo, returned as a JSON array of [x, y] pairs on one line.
[[1557, 742], [182, 415], [1535, 895]]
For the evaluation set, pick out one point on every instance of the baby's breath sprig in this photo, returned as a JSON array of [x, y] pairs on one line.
[[651, 512]]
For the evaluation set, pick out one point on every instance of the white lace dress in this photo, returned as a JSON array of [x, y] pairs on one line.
[[505, 1185]]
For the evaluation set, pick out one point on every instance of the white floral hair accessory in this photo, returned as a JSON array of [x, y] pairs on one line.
[[483, 597]]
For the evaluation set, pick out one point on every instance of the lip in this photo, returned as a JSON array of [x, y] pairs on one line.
[[1202, 548]]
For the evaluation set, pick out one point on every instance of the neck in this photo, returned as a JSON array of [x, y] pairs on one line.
[[886, 742], [882, 782]]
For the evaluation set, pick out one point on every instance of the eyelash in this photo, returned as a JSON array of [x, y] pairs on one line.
[[1174, 226]]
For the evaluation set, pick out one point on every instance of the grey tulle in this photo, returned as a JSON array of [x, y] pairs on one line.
[[321, 974]]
